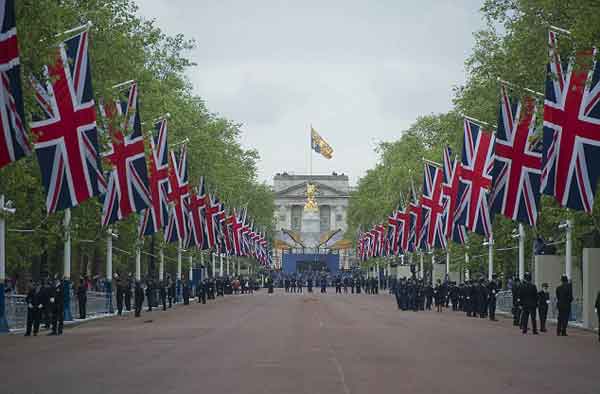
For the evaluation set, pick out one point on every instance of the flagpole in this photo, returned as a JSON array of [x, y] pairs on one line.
[[310, 153]]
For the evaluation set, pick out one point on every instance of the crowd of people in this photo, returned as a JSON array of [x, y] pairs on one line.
[[343, 283], [45, 299]]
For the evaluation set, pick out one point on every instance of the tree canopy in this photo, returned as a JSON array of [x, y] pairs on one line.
[[123, 46], [512, 47]]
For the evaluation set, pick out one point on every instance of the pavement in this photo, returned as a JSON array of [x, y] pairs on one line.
[[299, 343]]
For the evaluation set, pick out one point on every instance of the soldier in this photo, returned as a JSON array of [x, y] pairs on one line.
[[149, 294], [127, 291], [453, 296], [34, 308], [82, 298], [429, 292], [57, 305], [564, 298], [120, 293], [201, 290], [492, 290], [439, 296], [323, 284], [483, 298], [185, 291], [346, 283], [516, 302], [528, 296], [543, 300], [300, 284], [162, 293], [338, 285], [138, 298], [171, 291], [309, 284]]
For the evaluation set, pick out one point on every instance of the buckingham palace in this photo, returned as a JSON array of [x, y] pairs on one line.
[[315, 234]]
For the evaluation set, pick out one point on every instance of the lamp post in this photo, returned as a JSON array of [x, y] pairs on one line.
[[490, 244], [67, 266], [4, 209], [109, 269]]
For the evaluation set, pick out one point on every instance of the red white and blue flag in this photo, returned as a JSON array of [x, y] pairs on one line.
[[67, 138], [156, 216], [432, 207], [127, 190], [14, 143], [518, 161], [450, 187], [211, 220], [179, 192], [416, 234], [571, 156], [196, 224], [476, 179]]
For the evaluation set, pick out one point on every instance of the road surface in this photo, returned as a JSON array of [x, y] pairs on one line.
[[292, 343]]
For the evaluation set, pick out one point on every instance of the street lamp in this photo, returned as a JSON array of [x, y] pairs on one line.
[[5, 209], [567, 225]]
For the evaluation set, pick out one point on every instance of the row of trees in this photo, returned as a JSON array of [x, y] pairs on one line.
[[512, 47], [122, 47]]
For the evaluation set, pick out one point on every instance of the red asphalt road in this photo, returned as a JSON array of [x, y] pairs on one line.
[[292, 343]]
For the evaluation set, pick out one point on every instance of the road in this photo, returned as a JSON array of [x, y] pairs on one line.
[[291, 343]]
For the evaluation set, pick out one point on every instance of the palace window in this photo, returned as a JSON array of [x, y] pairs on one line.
[[297, 217], [325, 216]]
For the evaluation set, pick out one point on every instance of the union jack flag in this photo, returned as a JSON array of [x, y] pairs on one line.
[[14, 143], [211, 213], [518, 161], [156, 216], [476, 179], [453, 231], [394, 229], [416, 233], [235, 227], [432, 204], [571, 159], [404, 219], [128, 191], [179, 192], [380, 229], [197, 236], [67, 139]]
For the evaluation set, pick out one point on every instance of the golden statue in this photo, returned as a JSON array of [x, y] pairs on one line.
[[311, 197]]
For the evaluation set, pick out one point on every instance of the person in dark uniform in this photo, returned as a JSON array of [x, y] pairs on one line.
[[564, 298], [438, 292], [82, 298], [492, 290], [185, 285], [338, 285], [270, 284], [516, 302], [138, 298], [543, 300], [529, 301], [300, 284], [57, 305], [429, 292], [35, 305], [468, 299], [127, 291], [323, 284], [201, 290], [120, 294], [597, 305], [162, 293], [149, 294], [171, 291], [46, 314]]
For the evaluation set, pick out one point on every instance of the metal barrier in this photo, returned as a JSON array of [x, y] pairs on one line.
[[504, 303]]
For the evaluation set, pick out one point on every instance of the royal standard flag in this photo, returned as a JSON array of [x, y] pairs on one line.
[[319, 145]]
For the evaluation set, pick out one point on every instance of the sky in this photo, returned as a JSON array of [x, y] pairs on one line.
[[359, 72]]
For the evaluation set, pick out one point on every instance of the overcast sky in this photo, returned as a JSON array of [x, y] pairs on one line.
[[359, 71]]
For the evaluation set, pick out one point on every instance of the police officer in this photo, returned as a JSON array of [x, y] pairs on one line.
[[185, 291], [162, 293], [171, 291], [564, 298], [82, 298], [34, 308], [543, 301], [138, 298], [516, 302], [120, 294], [57, 307], [492, 291], [529, 300], [128, 286]]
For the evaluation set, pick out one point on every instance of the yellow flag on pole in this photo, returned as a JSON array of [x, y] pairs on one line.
[[319, 145]]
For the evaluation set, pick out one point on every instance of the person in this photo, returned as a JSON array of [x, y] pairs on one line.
[[529, 301], [438, 292], [138, 298], [598, 312], [162, 293], [492, 290], [57, 307], [323, 284], [270, 285], [149, 294], [172, 290], [543, 301], [120, 294], [127, 292], [429, 292], [564, 298], [34, 309], [186, 291], [82, 298]]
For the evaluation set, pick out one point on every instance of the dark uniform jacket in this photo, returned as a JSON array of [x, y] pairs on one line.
[[529, 295], [564, 295]]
